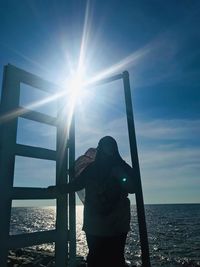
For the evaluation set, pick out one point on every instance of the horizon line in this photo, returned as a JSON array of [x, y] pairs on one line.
[[133, 204]]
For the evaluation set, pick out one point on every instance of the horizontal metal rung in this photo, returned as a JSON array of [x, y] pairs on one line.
[[35, 152], [32, 80], [31, 239], [37, 116], [105, 80], [31, 193]]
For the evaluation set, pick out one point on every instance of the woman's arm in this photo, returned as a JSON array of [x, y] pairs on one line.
[[77, 184]]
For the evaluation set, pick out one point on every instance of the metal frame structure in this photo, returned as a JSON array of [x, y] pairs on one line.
[[65, 235], [65, 206]]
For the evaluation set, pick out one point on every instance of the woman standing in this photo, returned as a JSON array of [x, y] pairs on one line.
[[107, 182]]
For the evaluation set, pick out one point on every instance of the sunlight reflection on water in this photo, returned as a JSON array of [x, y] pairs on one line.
[[173, 232]]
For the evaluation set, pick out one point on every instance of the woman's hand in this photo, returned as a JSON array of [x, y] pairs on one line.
[[52, 189], [57, 189]]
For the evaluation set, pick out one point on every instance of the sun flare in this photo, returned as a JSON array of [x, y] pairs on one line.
[[75, 85], [76, 93]]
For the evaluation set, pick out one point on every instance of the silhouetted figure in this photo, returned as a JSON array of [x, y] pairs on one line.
[[107, 182]]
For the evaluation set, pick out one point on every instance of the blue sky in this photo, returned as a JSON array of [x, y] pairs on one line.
[[158, 42]]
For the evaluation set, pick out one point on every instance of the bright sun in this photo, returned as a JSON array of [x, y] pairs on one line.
[[76, 85], [76, 93]]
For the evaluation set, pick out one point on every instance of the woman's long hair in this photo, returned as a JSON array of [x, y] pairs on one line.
[[105, 162]]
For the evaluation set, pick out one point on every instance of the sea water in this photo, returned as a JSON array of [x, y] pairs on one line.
[[173, 232]]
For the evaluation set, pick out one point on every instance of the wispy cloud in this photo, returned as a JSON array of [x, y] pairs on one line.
[[174, 129], [165, 143], [169, 153]]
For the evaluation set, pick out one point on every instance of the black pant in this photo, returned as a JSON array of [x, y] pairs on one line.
[[106, 251]]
